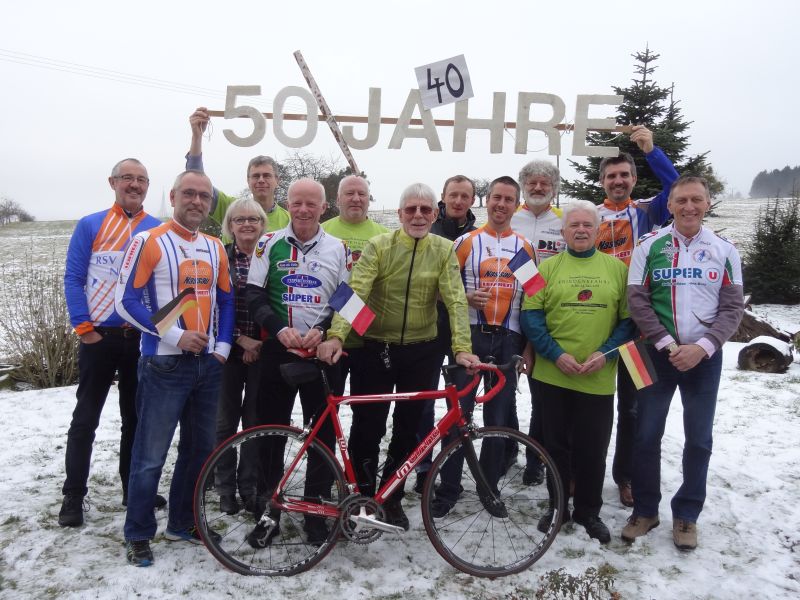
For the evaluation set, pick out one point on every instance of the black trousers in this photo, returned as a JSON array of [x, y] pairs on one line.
[[97, 364], [411, 369], [622, 467], [577, 430], [274, 406], [237, 402]]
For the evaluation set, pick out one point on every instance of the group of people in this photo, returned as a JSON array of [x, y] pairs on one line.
[[440, 288]]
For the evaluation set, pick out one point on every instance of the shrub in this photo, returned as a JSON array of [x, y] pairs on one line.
[[772, 259], [34, 323], [593, 584]]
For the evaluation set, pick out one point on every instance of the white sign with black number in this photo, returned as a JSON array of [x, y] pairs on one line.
[[444, 82]]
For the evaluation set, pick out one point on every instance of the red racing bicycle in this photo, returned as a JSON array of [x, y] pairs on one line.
[[491, 531]]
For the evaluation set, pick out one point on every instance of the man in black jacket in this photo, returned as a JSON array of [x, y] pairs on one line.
[[455, 218]]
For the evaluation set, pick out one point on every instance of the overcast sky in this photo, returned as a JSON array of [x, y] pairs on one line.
[[734, 65]]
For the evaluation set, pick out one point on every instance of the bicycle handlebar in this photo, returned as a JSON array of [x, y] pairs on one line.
[[485, 367]]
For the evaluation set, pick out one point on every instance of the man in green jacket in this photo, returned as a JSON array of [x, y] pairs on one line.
[[399, 276], [262, 178]]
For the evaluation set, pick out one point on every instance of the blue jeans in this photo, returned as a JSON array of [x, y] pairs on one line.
[[698, 388], [173, 389]]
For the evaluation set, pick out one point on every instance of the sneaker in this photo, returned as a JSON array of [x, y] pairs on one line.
[[638, 526], [625, 494], [544, 523], [684, 534], [395, 515], [533, 475], [317, 532], [71, 513], [440, 507], [191, 535], [228, 504], [595, 527], [419, 484], [139, 553], [262, 536], [159, 502]]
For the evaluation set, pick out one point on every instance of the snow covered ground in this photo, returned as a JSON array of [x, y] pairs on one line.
[[749, 532]]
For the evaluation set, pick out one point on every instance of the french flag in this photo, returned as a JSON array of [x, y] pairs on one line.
[[525, 271], [352, 309]]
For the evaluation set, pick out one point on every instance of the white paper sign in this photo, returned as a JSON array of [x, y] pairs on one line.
[[444, 82]]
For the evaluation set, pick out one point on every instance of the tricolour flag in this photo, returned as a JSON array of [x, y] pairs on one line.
[[171, 312], [525, 271], [640, 367], [352, 309]]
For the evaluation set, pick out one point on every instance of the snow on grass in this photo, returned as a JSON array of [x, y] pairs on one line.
[[749, 532]]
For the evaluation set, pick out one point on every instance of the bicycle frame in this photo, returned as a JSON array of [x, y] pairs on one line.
[[453, 417]]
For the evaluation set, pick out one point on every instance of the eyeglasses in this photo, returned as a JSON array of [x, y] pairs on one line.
[[190, 193], [140, 179], [412, 210], [258, 176], [248, 220]]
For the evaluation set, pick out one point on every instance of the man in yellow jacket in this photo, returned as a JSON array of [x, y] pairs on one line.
[[399, 276]]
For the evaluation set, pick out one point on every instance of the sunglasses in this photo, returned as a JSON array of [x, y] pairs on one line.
[[412, 210]]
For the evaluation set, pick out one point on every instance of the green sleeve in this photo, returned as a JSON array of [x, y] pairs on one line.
[[451, 289], [361, 280]]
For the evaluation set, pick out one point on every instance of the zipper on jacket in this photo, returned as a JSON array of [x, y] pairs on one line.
[[408, 290]]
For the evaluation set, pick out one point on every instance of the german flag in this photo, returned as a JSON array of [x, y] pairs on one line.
[[639, 365], [171, 312]]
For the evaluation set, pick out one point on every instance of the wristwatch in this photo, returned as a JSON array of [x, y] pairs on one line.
[[671, 347]]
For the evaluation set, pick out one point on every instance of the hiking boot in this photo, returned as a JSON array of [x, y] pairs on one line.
[[544, 523], [533, 475], [190, 535], [71, 513], [395, 515], [625, 494], [159, 502], [684, 534], [638, 526], [317, 532], [440, 507], [262, 535], [138, 553], [228, 504], [595, 527]]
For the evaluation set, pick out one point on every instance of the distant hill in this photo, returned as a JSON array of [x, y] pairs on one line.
[[778, 183]]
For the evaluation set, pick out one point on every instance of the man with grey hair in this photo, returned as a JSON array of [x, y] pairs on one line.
[[575, 324], [354, 227], [539, 222], [108, 344], [293, 274], [399, 276], [262, 178]]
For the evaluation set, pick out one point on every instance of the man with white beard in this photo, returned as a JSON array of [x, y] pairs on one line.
[[539, 222]]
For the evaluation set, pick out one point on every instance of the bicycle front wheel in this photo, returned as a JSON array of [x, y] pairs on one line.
[[240, 541], [474, 535]]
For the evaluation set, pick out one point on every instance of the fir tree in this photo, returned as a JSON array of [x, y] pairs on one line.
[[644, 103]]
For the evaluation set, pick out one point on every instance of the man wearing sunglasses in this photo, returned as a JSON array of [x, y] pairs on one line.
[[399, 276], [262, 178]]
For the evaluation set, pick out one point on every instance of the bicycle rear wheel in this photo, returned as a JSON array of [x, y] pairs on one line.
[[317, 478], [490, 543]]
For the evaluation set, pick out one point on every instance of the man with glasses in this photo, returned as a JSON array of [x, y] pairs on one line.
[[399, 276], [262, 178], [108, 344], [182, 358]]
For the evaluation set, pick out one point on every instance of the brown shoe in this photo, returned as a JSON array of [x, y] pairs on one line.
[[684, 534], [638, 526], [625, 494]]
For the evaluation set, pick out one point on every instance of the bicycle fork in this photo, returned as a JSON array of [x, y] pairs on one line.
[[493, 505]]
